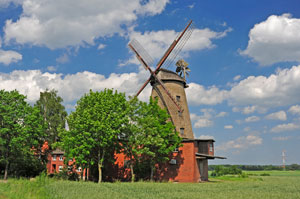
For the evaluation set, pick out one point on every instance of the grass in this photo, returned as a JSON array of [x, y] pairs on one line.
[[277, 185]]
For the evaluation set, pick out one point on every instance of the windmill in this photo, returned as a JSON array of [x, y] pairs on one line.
[[168, 86]]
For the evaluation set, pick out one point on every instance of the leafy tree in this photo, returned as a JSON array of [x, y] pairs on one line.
[[151, 136], [53, 112], [21, 129], [95, 127]]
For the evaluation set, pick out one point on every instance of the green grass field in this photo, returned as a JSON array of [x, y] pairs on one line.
[[280, 184]]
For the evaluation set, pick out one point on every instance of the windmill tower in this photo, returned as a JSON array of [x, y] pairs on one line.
[[168, 86]]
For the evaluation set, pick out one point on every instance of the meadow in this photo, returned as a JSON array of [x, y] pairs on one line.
[[279, 184]]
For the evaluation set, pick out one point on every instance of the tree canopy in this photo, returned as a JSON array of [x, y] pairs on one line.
[[94, 128], [21, 129], [53, 112]]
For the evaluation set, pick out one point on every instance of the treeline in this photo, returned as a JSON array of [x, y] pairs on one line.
[[257, 167], [103, 124]]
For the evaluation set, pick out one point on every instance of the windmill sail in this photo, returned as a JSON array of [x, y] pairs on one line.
[[142, 52]]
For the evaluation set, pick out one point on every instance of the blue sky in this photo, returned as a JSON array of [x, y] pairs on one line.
[[244, 56]]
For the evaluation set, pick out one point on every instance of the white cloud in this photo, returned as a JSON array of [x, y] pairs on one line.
[[206, 137], [198, 94], [5, 3], [9, 56], [72, 86], [252, 119], [243, 142], [249, 109], [228, 127], [285, 127], [279, 89], [51, 68], [275, 40], [237, 78], [280, 115], [294, 109], [62, 59], [221, 114], [203, 120], [101, 46], [280, 138], [60, 23], [157, 42]]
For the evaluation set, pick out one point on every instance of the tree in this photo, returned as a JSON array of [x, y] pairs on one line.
[[95, 127], [53, 112], [150, 135], [21, 128]]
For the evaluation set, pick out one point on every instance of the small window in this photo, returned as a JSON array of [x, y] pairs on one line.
[[210, 147], [79, 169], [181, 131], [54, 157], [60, 168], [70, 168], [176, 150], [180, 113], [178, 98], [61, 157]]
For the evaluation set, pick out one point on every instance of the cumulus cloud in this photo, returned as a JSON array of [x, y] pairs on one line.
[[242, 142], [72, 86], [206, 137], [279, 89], [60, 23], [201, 121], [294, 109], [252, 119], [198, 94], [275, 40], [9, 56], [228, 127], [5, 3], [281, 138], [236, 78], [285, 127], [157, 42], [221, 114], [280, 115]]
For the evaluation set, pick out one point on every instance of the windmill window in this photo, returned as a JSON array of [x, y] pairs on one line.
[[61, 157], [178, 98], [181, 131], [180, 113], [60, 168], [54, 157], [210, 147]]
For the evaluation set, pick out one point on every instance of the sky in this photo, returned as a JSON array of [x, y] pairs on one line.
[[244, 56]]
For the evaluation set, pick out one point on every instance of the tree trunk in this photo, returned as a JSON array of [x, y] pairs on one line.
[[100, 172], [152, 172], [6, 170], [132, 173]]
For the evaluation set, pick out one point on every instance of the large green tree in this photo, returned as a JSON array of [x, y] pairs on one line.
[[149, 136], [21, 128], [53, 112], [95, 127]]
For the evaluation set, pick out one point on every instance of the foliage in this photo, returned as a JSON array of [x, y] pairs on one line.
[[94, 128], [21, 131], [260, 167], [150, 136], [221, 170], [53, 112]]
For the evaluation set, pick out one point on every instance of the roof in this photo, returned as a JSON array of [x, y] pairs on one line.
[[202, 155], [200, 140], [57, 151]]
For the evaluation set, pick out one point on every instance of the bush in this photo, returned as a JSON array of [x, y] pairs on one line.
[[231, 170]]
